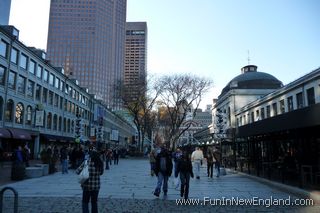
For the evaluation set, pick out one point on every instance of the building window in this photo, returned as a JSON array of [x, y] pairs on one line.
[[49, 120], [30, 89], [39, 71], [60, 124], [32, 67], [252, 116], [262, 113], [275, 109], [44, 95], [50, 101], [257, 115], [56, 100], [290, 103], [38, 92], [23, 61], [299, 98], [282, 107], [29, 115], [55, 122], [45, 75], [51, 79], [310, 96], [64, 125], [21, 84], [14, 56], [19, 113], [12, 80], [268, 113], [3, 48], [2, 75], [57, 83], [9, 111]]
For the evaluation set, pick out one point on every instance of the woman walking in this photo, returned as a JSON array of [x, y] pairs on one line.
[[91, 186]]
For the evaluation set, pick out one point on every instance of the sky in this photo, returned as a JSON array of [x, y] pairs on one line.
[[209, 38]]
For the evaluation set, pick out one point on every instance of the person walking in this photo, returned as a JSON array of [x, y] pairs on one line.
[[217, 161], [197, 157], [152, 160], [64, 159], [163, 170], [184, 169], [91, 186], [116, 156], [209, 162], [176, 157]]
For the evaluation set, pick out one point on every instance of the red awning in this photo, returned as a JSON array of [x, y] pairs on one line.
[[20, 134], [4, 133]]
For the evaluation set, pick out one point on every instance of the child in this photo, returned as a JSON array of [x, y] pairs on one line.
[[185, 169]]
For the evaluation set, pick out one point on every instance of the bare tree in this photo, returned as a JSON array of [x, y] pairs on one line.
[[178, 94], [139, 98]]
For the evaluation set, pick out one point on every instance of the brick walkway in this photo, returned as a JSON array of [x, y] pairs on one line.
[[128, 187]]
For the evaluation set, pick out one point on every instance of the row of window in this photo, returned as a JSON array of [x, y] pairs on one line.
[[41, 94], [26, 63], [20, 115], [280, 107]]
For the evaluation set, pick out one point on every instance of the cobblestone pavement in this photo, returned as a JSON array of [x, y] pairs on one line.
[[128, 187]]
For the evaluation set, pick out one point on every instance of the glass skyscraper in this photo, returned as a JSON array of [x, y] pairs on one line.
[[87, 38], [4, 11]]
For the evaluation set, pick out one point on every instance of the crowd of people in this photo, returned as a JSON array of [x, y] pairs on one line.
[[184, 165]]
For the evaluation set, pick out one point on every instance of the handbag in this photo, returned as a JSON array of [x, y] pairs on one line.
[[84, 174]]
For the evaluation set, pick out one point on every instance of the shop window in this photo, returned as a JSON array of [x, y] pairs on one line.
[[9, 111], [29, 115], [19, 113]]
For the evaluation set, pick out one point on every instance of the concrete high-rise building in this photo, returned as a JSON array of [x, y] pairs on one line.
[[135, 56], [4, 11], [87, 38]]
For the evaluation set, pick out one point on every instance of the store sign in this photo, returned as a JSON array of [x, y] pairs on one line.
[[39, 117]]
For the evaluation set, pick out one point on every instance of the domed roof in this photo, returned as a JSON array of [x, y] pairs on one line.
[[250, 78]]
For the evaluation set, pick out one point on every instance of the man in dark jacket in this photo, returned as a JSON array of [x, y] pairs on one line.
[[184, 167], [163, 170]]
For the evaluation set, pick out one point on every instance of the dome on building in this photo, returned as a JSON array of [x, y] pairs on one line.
[[250, 78]]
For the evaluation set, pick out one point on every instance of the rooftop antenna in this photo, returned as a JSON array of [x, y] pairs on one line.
[[248, 57]]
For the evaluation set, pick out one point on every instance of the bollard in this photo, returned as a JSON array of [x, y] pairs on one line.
[[15, 198]]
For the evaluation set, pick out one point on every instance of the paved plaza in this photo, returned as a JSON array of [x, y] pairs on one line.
[[128, 187]]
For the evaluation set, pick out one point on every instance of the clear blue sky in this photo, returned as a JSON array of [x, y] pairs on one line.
[[210, 38]]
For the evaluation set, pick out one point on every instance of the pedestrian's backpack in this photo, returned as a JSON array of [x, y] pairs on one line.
[[163, 164]]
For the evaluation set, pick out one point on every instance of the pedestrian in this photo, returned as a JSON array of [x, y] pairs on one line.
[[64, 159], [26, 155], [152, 160], [163, 170], [116, 156], [184, 169], [209, 162], [91, 186], [176, 156], [217, 161], [197, 157]]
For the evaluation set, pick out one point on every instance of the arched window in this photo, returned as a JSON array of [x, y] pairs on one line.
[[49, 120], [64, 125], [72, 127], [1, 108], [29, 115], [9, 111], [60, 123], [55, 122], [19, 113], [68, 125]]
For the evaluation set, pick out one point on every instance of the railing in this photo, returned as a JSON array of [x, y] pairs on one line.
[[15, 198]]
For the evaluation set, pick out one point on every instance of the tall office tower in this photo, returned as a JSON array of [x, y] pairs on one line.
[[87, 38], [136, 57], [4, 11]]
